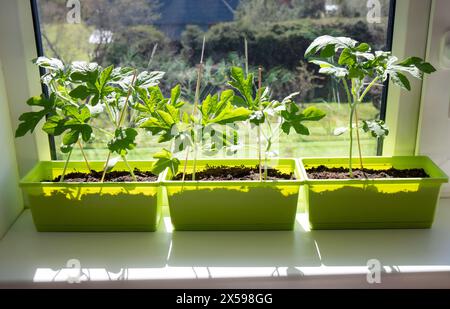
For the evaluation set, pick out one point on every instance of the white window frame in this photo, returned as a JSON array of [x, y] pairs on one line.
[[402, 110]]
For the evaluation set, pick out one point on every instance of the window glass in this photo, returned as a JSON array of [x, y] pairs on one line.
[[167, 35]]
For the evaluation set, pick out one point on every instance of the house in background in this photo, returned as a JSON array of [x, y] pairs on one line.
[[177, 14]]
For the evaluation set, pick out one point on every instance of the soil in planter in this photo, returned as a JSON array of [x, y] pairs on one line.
[[230, 173], [323, 172], [114, 176]]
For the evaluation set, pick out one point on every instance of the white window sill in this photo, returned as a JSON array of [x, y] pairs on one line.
[[303, 258]]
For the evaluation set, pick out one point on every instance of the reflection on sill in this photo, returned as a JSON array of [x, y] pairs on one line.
[[29, 256], [193, 273]]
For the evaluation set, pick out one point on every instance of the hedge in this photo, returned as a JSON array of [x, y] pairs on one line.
[[275, 44]]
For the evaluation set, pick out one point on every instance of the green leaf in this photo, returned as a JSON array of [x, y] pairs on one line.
[[231, 115], [43, 101], [148, 79], [86, 133], [55, 125], [165, 160], [324, 41], [81, 92], [419, 63], [66, 148], [166, 118], [400, 80], [88, 75], [207, 105], [71, 137], [78, 115], [328, 51], [175, 94], [153, 125], [52, 64], [104, 77], [330, 69], [300, 128], [124, 140], [312, 114], [347, 57], [29, 121], [354, 72], [243, 85], [239, 101], [363, 47], [292, 118], [377, 128]]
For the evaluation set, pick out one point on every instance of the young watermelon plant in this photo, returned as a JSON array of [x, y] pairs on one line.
[[166, 117], [78, 93], [275, 116], [113, 90], [358, 69], [63, 114], [386, 192], [202, 129]]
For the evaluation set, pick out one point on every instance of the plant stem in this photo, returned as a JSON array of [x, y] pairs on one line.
[[357, 100], [350, 128], [269, 145], [124, 158], [119, 124], [358, 139], [106, 167], [259, 127], [361, 98], [125, 106], [351, 142], [103, 131], [195, 109], [61, 179], [152, 55], [84, 156], [246, 55], [111, 116], [185, 164], [194, 112]]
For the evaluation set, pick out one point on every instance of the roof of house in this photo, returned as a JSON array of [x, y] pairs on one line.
[[202, 12]]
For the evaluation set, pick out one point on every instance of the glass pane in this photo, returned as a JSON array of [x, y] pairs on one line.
[[167, 35]]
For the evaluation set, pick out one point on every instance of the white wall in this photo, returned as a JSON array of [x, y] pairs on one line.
[[10, 196], [17, 50], [19, 80], [434, 129]]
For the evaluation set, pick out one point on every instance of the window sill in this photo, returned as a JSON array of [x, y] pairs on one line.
[[303, 258]]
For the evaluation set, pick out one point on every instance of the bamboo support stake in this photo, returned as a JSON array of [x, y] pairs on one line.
[[259, 127], [194, 112], [84, 156], [121, 118]]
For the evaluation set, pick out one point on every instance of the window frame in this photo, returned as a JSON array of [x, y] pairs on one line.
[[401, 108]]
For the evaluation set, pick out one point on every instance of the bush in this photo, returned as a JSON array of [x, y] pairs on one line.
[[273, 44], [135, 45]]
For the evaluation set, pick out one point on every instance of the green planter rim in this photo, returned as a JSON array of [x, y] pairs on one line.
[[435, 172], [31, 179], [166, 175]]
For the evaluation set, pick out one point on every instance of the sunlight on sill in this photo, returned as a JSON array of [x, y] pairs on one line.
[[71, 275], [302, 219]]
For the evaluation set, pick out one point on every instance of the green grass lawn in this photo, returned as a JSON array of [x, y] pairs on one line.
[[69, 42], [321, 142]]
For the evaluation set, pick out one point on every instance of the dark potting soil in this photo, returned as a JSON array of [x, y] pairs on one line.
[[114, 176], [220, 173], [323, 172]]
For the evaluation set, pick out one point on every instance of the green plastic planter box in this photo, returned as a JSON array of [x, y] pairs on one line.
[[91, 207], [374, 203], [234, 205]]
